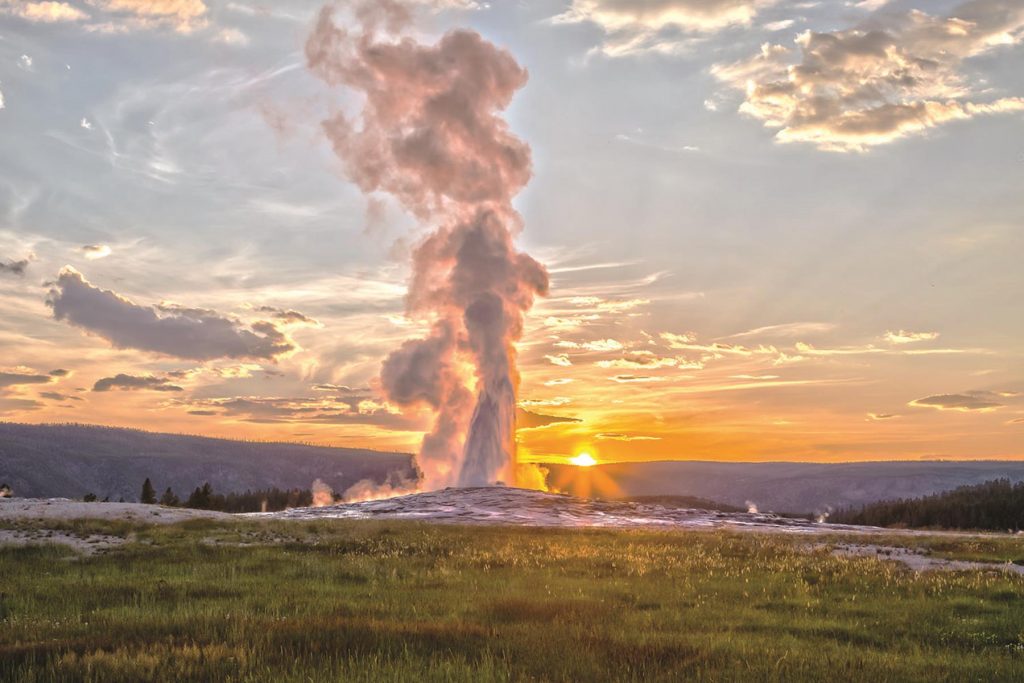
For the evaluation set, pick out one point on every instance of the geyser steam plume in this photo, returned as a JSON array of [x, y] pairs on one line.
[[430, 135]]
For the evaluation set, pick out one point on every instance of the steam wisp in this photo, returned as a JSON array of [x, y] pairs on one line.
[[430, 135], [322, 494]]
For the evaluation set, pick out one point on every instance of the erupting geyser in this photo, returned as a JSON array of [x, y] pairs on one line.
[[430, 135]]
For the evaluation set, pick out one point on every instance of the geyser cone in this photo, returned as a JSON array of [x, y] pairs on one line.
[[490, 446]]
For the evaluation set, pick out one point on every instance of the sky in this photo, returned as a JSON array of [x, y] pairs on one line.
[[774, 230]]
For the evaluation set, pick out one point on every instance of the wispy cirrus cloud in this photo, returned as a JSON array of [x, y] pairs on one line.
[[785, 330], [894, 75]]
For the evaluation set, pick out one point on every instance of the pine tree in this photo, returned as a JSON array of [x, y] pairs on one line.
[[169, 499], [148, 493], [200, 498]]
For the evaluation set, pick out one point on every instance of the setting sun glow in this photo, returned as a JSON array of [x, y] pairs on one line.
[[583, 460]]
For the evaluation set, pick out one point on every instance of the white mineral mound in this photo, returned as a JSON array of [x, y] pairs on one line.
[[512, 506]]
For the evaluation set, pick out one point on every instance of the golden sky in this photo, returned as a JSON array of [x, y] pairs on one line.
[[775, 231]]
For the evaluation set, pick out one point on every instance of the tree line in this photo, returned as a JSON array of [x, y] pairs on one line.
[[204, 498], [996, 505]]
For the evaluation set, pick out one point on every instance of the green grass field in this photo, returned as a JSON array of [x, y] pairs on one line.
[[368, 601]]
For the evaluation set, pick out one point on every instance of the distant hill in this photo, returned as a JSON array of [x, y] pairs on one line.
[[788, 487], [995, 506], [73, 460]]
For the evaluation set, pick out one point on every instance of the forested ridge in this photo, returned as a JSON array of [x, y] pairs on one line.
[[996, 505]]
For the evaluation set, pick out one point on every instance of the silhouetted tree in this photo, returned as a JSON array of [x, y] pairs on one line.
[[204, 498], [200, 498], [5, 491], [89, 498], [148, 493], [169, 499]]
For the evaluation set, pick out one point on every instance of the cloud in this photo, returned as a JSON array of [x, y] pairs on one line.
[[879, 417], [561, 360], [20, 376], [658, 26], [271, 410], [981, 401], [184, 16], [25, 62], [894, 75], [42, 12], [231, 36], [333, 387], [715, 350], [596, 303], [559, 381], [807, 350], [1017, 421], [630, 379], [529, 420], [288, 316], [190, 333], [135, 383], [557, 401], [785, 330], [596, 345], [13, 267], [617, 436], [649, 361], [8, 405], [779, 25], [60, 372], [904, 337], [94, 252], [57, 396]]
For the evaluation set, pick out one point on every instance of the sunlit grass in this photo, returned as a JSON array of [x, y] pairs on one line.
[[404, 602]]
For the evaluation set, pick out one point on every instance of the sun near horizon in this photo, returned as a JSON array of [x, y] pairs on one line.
[[584, 459]]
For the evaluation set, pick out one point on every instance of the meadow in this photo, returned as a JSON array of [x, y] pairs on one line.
[[391, 601]]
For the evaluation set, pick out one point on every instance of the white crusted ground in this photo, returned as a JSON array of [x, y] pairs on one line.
[[504, 505]]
